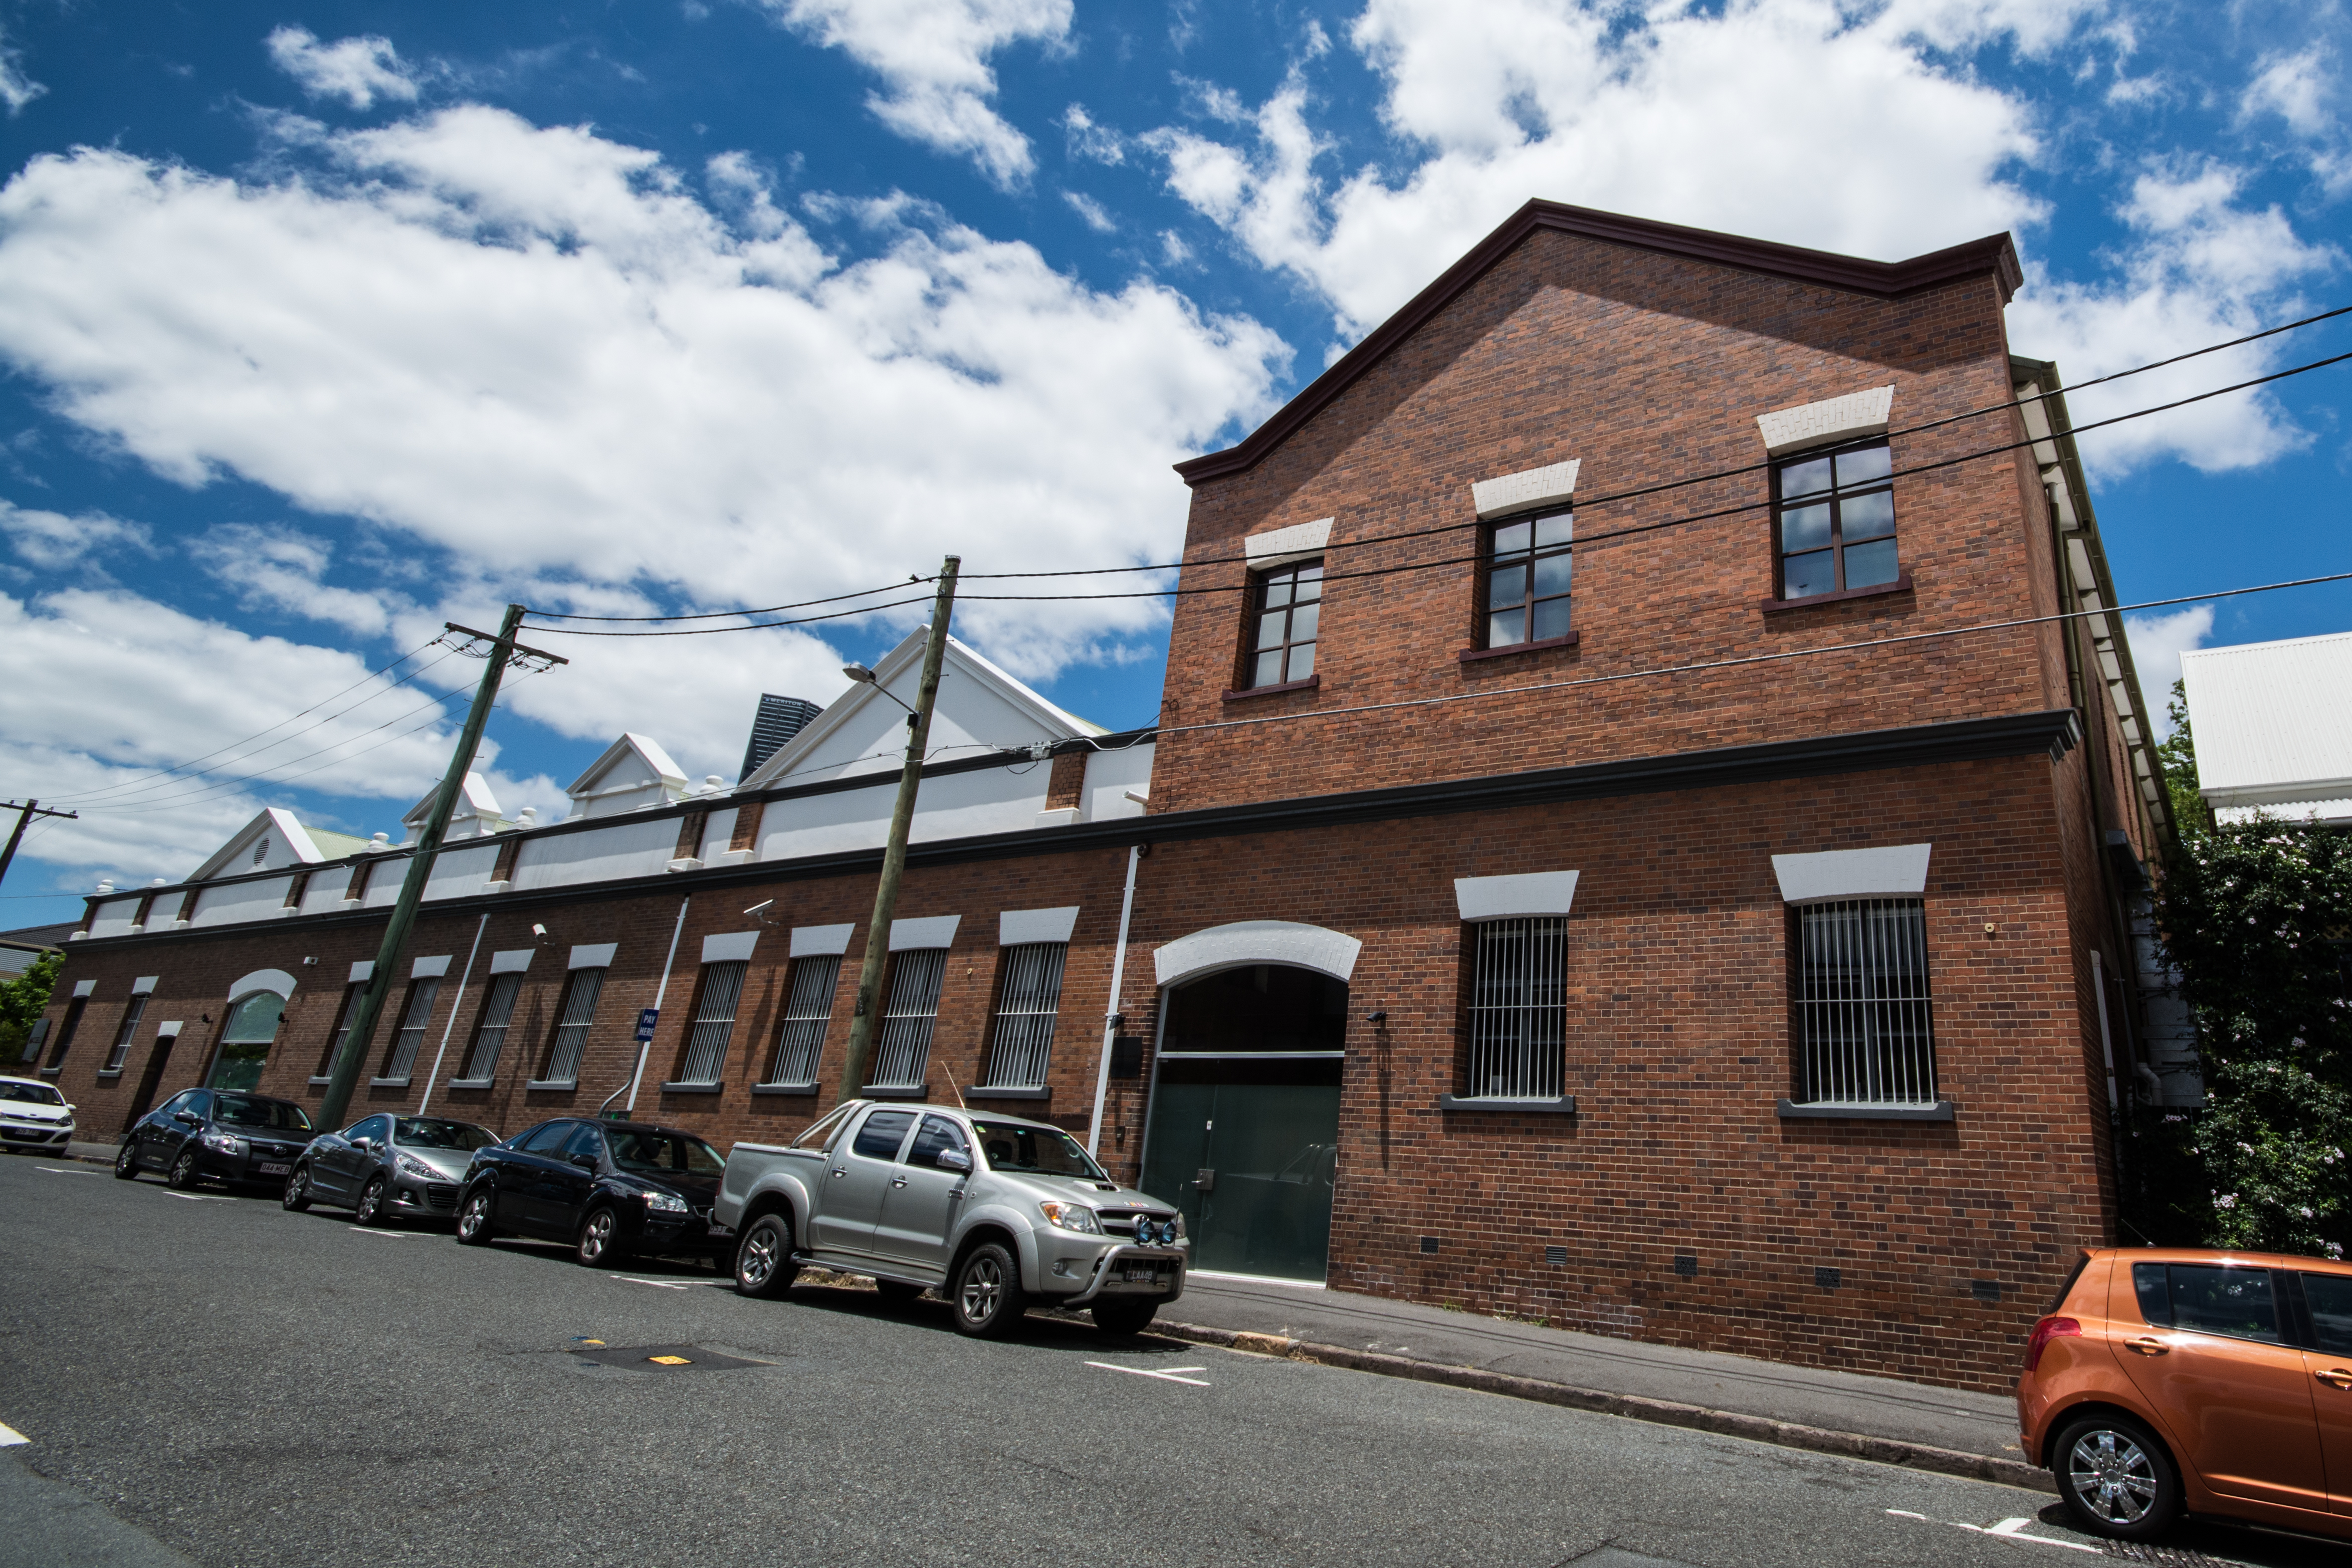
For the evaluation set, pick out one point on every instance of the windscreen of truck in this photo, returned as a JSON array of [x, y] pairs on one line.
[[1041, 1151]]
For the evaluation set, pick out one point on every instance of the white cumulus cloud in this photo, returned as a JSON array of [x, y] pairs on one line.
[[16, 88], [2157, 641], [932, 57], [358, 70], [52, 540]]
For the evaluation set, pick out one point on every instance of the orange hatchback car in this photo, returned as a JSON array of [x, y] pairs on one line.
[[2165, 1381]]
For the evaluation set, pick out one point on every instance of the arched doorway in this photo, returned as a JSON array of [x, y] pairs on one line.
[[1244, 1125], [246, 1038]]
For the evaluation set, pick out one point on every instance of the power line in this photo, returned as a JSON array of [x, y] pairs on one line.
[[756, 626], [1608, 497], [723, 614], [1746, 659]]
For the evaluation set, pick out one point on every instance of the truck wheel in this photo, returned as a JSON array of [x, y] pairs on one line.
[[988, 1298], [1124, 1317], [763, 1261]]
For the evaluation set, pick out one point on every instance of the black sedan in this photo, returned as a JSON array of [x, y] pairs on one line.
[[221, 1135], [385, 1167], [608, 1189]]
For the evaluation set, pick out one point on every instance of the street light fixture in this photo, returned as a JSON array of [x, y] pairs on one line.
[[865, 677]]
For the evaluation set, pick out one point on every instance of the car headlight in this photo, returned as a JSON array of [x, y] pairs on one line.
[[223, 1143], [409, 1165], [664, 1203], [1071, 1217]]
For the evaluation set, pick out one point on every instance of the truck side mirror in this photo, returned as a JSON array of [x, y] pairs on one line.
[[954, 1160]]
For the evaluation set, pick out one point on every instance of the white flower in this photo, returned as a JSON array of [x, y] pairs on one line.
[[2227, 1200]]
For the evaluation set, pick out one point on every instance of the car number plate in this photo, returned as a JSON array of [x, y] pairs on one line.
[[1141, 1273], [274, 1170]]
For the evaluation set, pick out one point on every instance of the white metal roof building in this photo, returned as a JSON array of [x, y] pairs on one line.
[[2273, 727]]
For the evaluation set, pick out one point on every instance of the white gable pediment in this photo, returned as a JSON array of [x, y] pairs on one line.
[[634, 771], [478, 802], [271, 840], [980, 709]]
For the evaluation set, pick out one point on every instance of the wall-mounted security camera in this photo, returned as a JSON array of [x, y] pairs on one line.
[[540, 932]]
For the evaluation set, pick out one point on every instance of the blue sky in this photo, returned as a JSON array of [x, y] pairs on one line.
[[324, 323]]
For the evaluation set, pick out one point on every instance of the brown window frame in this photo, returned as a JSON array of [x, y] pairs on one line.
[[1491, 565], [1260, 586], [1835, 498]]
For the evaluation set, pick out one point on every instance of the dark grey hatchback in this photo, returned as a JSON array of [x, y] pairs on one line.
[[225, 1135], [608, 1189]]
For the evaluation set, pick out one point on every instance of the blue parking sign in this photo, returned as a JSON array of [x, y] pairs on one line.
[[645, 1025]]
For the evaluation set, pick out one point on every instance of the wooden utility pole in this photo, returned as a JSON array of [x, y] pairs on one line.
[[504, 651], [25, 813], [894, 856]]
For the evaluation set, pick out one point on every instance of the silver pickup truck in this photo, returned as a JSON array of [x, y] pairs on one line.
[[1000, 1212]]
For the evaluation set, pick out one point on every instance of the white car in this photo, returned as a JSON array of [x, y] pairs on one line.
[[34, 1116]]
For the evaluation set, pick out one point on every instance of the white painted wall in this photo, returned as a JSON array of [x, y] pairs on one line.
[[114, 916], [458, 872], [626, 849], [1109, 776], [325, 893], [242, 901], [961, 805]]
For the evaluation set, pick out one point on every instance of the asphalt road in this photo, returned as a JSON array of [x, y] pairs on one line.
[[214, 1380]]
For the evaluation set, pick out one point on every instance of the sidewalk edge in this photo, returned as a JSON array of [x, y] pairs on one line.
[[1664, 1412]]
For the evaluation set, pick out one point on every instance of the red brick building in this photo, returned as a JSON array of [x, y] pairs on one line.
[[1626, 842]]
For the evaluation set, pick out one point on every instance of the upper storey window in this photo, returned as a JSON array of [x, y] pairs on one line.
[[1289, 605], [1835, 513], [1527, 571]]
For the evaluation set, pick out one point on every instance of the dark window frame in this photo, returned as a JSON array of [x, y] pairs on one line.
[[1256, 608], [1490, 564], [68, 1027], [1834, 498], [1859, 1039], [559, 1023]]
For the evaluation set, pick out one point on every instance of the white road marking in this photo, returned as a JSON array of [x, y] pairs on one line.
[[1168, 1376], [60, 1170], [657, 1284], [2007, 1530], [201, 1197], [10, 1438], [371, 1230]]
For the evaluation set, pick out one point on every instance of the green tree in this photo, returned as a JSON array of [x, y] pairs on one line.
[[22, 1000], [2177, 754]]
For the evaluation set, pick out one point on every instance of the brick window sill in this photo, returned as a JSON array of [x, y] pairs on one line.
[[684, 1088], [388, 1083], [1790, 1109], [1901, 584], [1468, 655], [109, 1073], [469, 1083], [1556, 1106], [53, 1071], [1000, 1093], [877, 1092], [801, 1089], [1308, 685], [565, 1085]]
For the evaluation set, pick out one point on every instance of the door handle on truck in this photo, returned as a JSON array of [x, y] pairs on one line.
[[897, 1181], [841, 1170]]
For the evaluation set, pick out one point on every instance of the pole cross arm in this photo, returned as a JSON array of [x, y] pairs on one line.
[[516, 651]]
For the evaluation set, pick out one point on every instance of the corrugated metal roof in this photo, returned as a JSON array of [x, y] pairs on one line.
[[2273, 720]]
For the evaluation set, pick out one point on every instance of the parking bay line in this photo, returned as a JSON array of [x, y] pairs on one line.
[[656, 1284], [60, 1170], [10, 1438], [371, 1230], [201, 1197], [2007, 1530], [1166, 1376]]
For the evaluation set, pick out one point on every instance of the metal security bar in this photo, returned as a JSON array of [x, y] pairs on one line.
[[714, 1022], [490, 1036], [903, 1049], [1518, 1009], [421, 995], [1024, 1015], [123, 1037], [1862, 1003], [572, 1026], [808, 1013]]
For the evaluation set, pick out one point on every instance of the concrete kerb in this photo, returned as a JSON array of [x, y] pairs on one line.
[[1698, 1417]]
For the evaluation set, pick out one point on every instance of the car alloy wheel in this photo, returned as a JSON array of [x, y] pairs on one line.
[[126, 1162], [988, 1298], [371, 1208], [763, 1263], [183, 1174], [298, 1189], [599, 1239], [2116, 1479], [474, 1217]]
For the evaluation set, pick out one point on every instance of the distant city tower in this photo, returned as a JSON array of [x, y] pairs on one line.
[[780, 718]]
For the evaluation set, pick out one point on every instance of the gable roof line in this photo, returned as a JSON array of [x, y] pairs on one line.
[[1885, 279], [297, 837]]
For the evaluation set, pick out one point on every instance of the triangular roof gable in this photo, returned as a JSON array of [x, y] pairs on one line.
[[1887, 279], [973, 692], [649, 753], [225, 861], [482, 803]]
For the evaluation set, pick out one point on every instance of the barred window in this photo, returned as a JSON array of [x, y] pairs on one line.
[[413, 1020], [70, 1027], [1025, 1009], [491, 1029], [335, 1037], [1863, 1037], [903, 1051], [123, 1036], [1518, 1009], [571, 1023], [808, 1013], [714, 1022], [1837, 529]]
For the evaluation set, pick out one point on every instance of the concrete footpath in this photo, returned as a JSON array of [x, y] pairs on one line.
[[1879, 1418], [1908, 1423]]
